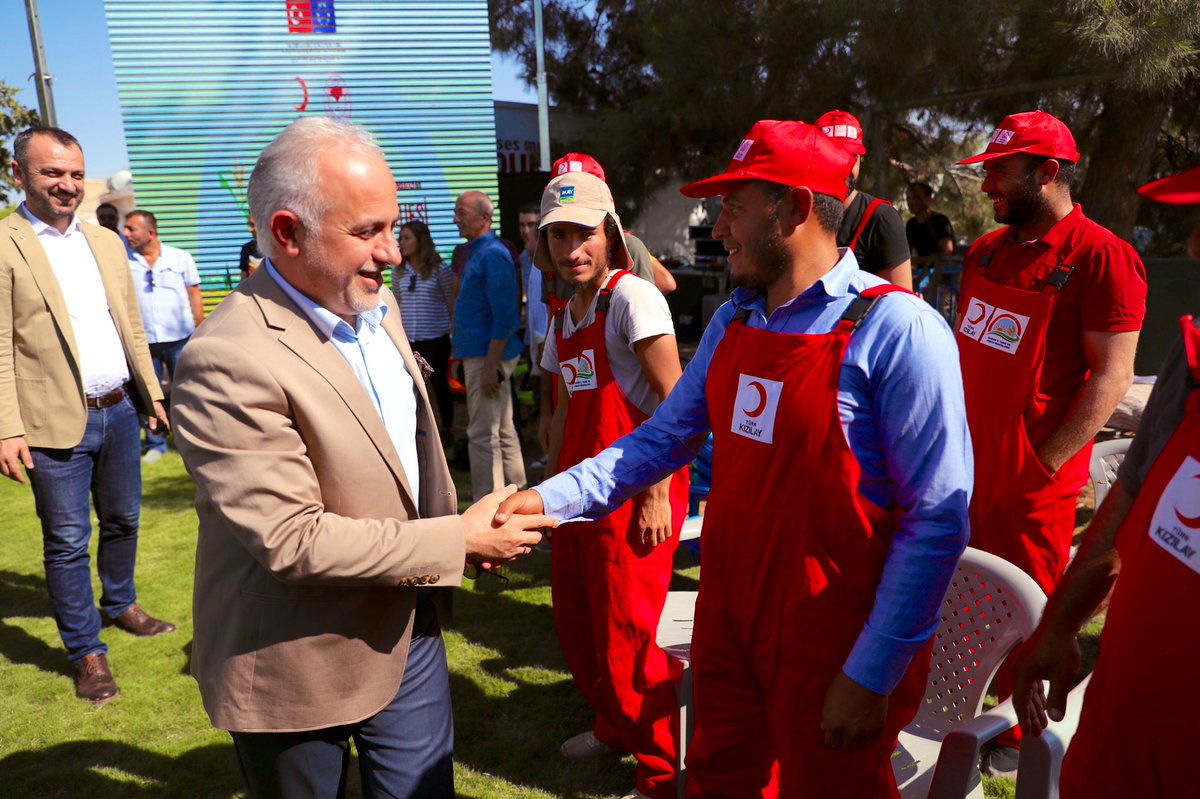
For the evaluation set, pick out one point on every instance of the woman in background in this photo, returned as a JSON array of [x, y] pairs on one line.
[[425, 289]]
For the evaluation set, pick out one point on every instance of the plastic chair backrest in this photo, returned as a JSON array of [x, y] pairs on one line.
[[1106, 459], [989, 608]]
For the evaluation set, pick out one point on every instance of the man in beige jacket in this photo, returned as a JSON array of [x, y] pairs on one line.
[[327, 513], [74, 374]]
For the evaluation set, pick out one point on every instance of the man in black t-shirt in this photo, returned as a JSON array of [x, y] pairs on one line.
[[928, 231], [871, 227]]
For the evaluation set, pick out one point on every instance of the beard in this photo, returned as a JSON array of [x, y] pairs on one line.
[[49, 205], [1025, 203], [358, 299], [768, 256]]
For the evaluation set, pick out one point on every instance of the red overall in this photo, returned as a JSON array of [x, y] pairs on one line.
[[608, 587], [1018, 511], [791, 557], [1137, 732]]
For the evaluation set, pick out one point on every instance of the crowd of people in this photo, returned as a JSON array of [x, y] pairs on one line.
[[859, 444]]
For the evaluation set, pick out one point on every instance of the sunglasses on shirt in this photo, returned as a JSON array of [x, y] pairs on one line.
[[412, 284]]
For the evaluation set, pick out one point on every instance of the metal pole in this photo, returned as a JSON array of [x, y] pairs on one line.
[[543, 99], [45, 96]]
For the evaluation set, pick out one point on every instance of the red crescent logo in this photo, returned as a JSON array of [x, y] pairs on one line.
[[303, 86], [1189, 521], [982, 312], [570, 380], [762, 400]]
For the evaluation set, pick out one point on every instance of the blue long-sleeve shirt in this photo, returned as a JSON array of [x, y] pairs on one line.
[[486, 308], [900, 404]]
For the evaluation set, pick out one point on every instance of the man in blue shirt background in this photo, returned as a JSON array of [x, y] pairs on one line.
[[486, 320], [841, 478]]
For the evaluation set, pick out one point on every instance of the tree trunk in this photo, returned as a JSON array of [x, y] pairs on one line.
[[1120, 160]]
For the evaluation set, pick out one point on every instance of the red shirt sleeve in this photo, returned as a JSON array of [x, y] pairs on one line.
[[1114, 289]]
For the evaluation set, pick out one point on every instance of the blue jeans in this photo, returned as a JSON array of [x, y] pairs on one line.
[[106, 465], [405, 750], [164, 355]]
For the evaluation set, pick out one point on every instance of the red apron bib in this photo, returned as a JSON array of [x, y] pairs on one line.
[[1137, 730], [791, 557], [608, 587], [1018, 510]]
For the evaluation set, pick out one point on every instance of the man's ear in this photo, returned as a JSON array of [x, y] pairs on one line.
[[18, 174], [286, 230], [1048, 171], [799, 207]]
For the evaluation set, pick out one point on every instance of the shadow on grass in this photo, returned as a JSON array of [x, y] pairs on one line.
[[172, 491], [99, 769], [23, 596]]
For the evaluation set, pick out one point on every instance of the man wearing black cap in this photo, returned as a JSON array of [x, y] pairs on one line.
[[871, 227], [1050, 311], [841, 475], [1147, 531]]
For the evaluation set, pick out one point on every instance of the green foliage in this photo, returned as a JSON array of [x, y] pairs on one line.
[[14, 118]]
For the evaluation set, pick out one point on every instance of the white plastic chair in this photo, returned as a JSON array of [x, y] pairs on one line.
[[990, 607], [1040, 763], [1106, 459]]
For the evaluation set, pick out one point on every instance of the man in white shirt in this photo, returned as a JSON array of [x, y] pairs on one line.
[[168, 291], [74, 374]]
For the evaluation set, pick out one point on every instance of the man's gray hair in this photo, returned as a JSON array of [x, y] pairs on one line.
[[285, 175]]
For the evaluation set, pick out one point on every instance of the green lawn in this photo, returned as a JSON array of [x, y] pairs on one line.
[[513, 701]]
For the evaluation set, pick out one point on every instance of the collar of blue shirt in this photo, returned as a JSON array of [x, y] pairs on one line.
[[834, 283], [330, 324]]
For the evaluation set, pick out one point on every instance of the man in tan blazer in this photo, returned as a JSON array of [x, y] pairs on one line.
[[327, 512], [74, 373]]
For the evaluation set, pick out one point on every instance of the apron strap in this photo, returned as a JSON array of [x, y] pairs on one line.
[[1191, 348], [1058, 278], [605, 298], [853, 317], [866, 217]]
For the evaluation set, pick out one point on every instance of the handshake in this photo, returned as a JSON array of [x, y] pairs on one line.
[[503, 526]]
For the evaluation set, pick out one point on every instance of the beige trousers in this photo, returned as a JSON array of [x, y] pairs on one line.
[[492, 443]]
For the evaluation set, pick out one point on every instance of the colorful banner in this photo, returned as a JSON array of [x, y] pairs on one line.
[[206, 84]]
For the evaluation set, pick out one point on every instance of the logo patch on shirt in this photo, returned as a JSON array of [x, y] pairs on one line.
[[993, 327], [754, 408], [1002, 136], [579, 373], [1175, 525], [566, 194], [743, 149]]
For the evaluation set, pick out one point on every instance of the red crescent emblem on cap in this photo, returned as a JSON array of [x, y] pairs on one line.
[[762, 400]]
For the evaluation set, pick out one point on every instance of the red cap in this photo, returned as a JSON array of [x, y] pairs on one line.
[[1032, 132], [577, 162], [844, 128], [1181, 189], [790, 153]]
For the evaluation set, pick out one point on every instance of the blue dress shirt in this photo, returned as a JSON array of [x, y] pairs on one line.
[[900, 404], [486, 308], [379, 367]]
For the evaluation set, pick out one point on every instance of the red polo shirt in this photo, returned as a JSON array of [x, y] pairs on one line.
[[1105, 293]]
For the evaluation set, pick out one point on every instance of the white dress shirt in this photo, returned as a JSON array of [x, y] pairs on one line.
[[101, 356], [163, 293]]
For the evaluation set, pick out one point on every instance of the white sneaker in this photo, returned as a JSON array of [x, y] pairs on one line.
[[152, 456], [1001, 761], [584, 746]]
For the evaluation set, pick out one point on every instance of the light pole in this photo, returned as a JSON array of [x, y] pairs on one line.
[[45, 96], [543, 99]]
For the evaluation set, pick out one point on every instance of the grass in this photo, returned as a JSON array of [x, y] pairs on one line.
[[513, 700]]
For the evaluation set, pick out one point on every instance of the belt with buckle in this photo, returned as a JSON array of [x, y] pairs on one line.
[[109, 399]]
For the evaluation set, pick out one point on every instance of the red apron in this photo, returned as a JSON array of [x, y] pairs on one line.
[[1137, 730], [1018, 511], [608, 587], [791, 557]]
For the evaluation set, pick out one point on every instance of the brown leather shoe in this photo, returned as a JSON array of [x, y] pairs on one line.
[[93, 681], [137, 621]]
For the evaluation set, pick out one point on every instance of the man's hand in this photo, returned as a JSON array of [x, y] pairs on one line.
[[13, 453], [543, 430], [852, 716], [521, 502], [654, 517], [159, 418], [491, 379], [491, 540], [1047, 655]]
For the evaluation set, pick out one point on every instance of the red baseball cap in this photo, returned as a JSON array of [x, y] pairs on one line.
[[1181, 189], [577, 162], [844, 128], [1032, 132], [790, 153]]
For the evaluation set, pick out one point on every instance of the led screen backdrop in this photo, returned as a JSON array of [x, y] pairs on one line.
[[205, 84]]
